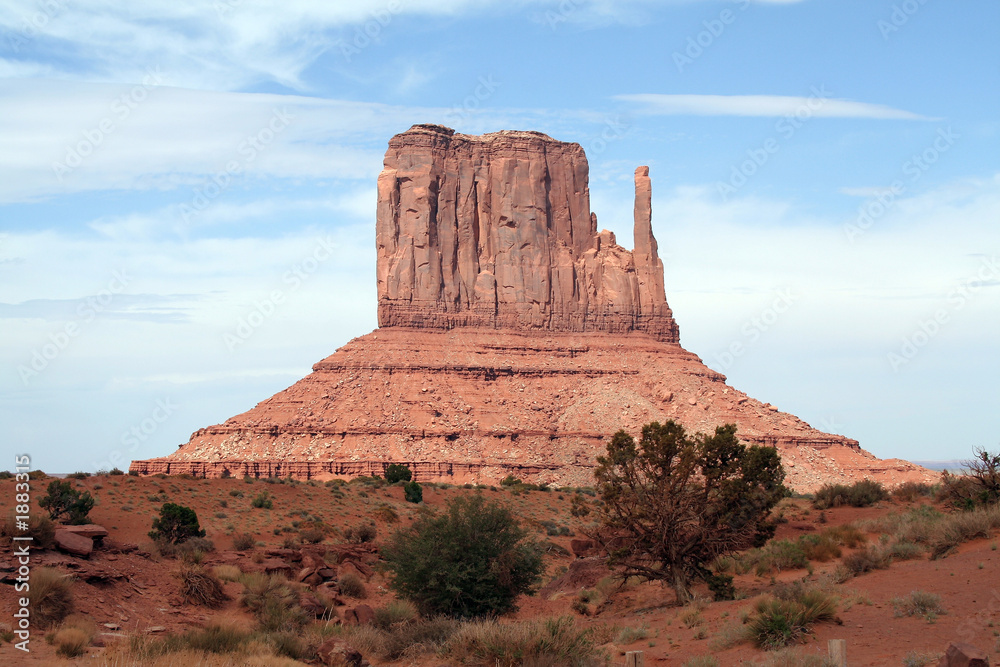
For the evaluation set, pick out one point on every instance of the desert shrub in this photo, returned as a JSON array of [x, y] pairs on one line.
[[721, 586], [962, 527], [866, 560], [312, 533], [116, 471], [510, 480], [244, 541], [554, 641], [776, 555], [71, 642], [397, 473], [908, 492], [375, 482], [175, 524], [394, 613], [386, 513], [62, 500], [350, 584], [472, 560], [730, 634], [412, 492], [777, 623], [821, 547], [793, 657], [631, 634], [40, 529], [918, 603], [363, 532], [50, 596], [915, 659], [902, 550], [78, 475], [262, 500], [860, 494], [201, 587], [579, 506], [403, 638], [273, 602]]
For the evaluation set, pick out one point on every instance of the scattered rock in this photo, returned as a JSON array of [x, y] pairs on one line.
[[964, 655], [71, 543], [360, 615], [336, 653]]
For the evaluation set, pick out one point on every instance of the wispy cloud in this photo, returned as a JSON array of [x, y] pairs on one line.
[[761, 105]]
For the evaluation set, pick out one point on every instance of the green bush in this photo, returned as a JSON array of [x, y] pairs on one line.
[[63, 499], [262, 501], [473, 560], [413, 492], [397, 473], [176, 524]]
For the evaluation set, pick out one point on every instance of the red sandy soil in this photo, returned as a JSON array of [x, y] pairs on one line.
[[146, 594]]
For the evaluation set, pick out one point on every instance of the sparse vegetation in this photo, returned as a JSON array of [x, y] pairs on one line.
[[919, 603], [554, 641], [262, 500], [351, 585], [863, 493], [244, 541], [363, 532]]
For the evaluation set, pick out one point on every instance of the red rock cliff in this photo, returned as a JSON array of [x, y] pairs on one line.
[[496, 231]]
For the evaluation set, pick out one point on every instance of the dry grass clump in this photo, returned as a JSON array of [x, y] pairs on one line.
[[394, 613], [211, 646], [201, 587], [778, 622], [228, 572], [793, 657], [40, 527], [274, 603], [50, 596], [74, 636], [403, 638], [554, 641], [919, 603], [350, 584], [244, 541]]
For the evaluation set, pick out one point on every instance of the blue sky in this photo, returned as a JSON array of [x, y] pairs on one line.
[[826, 196]]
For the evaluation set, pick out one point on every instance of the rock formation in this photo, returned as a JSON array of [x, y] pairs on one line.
[[514, 338], [496, 231]]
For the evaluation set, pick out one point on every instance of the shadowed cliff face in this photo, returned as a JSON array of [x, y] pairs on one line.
[[496, 231]]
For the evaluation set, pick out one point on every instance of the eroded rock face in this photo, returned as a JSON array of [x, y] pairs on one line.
[[496, 231]]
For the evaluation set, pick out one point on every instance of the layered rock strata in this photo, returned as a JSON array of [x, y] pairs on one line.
[[514, 338]]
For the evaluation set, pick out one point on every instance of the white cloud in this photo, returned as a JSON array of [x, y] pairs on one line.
[[819, 105]]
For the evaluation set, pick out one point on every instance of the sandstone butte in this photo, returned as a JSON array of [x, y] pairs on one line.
[[514, 338]]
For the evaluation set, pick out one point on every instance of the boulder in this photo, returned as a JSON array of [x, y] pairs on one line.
[[337, 653], [72, 543], [360, 615], [964, 655], [91, 530], [276, 566]]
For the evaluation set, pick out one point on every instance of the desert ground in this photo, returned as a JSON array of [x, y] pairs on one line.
[[127, 592]]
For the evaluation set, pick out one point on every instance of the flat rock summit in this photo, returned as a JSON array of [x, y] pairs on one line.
[[514, 338]]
